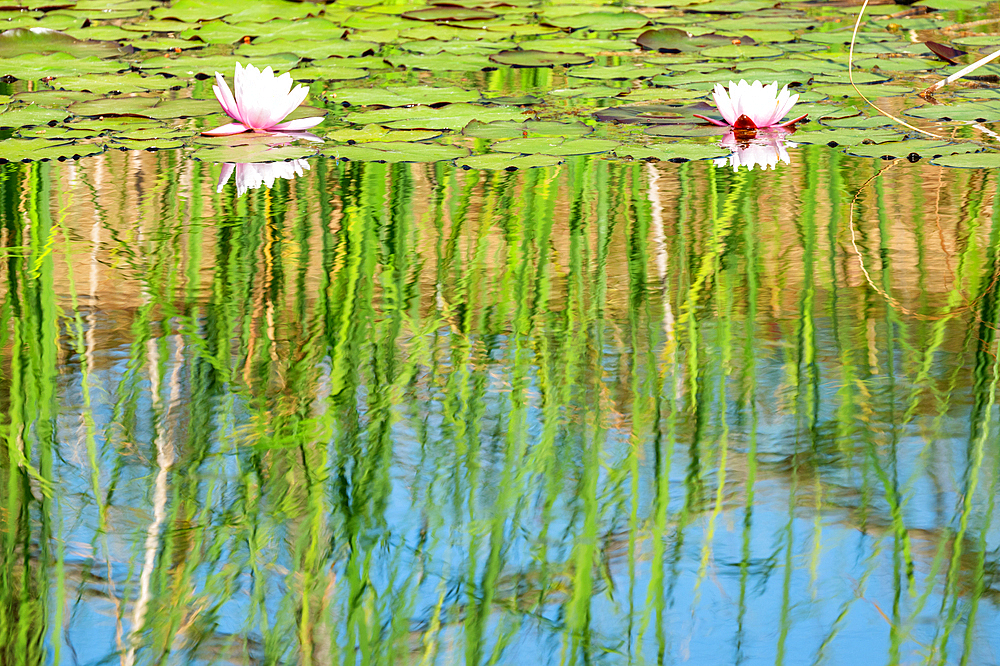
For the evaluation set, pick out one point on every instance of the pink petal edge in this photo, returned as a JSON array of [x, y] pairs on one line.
[[712, 120], [299, 124], [793, 121], [226, 130]]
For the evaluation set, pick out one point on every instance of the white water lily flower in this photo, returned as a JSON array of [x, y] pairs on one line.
[[753, 106], [250, 176], [261, 102], [764, 151]]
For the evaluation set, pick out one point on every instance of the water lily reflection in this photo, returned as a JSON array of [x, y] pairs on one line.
[[250, 176], [763, 148]]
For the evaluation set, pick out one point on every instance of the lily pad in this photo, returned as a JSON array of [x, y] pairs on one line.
[[311, 50], [599, 21], [978, 111], [327, 73], [742, 51], [401, 96], [507, 161], [19, 41], [371, 133], [530, 128], [555, 146], [616, 72], [518, 58], [189, 65], [195, 10], [120, 84], [990, 160], [452, 116], [397, 151], [253, 152], [920, 147], [845, 137], [31, 150], [33, 66], [674, 40], [114, 106], [448, 13], [442, 62], [672, 152], [31, 115]]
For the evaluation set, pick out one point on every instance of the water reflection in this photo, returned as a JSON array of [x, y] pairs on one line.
[[252, 175], [599, 412], [764, 148]]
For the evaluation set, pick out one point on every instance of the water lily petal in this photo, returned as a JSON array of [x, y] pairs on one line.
[[299, 124], [226, 130], [225, 97], [227, 171]]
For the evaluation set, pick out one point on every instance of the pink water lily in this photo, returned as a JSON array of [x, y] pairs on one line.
[[753, 106], [261, 102]]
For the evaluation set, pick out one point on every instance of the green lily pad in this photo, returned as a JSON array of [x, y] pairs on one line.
[[554, 146], [898, 64], [920, 147], [195, 10], [54, 99], [442, 62], [33, 66], [328, 73], [452, 116], [370, 133], [990, 160], [31, 115], [978, 111], [685, 130], [447, 14], [252, 152], [58, 133], [165, 143], [32, 150], [189, 108], [401, 96], [114, 106], [672, 152], [217, 32], [742, 51], [189, 65], [857, 122], [602, 21], [166, 44], [456, 47], [396, 151], [588, 92], [845, 137], [120, 84], [530, 128], [19, 41], [674, 40], [176, 27], [518, 58], [116, 124], [599, 72], [309, 49], [270, 10], [577, 45], [507, 161]]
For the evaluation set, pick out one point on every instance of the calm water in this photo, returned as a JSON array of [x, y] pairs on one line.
[[601, 413]]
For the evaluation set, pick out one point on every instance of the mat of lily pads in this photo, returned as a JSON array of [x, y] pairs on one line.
[[493, 84]]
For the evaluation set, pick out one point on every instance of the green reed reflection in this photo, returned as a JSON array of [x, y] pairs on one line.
[[618, 412]]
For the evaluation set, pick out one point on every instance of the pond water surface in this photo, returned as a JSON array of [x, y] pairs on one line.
[[599, 412]]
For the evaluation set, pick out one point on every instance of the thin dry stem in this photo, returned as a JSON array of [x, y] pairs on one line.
[[850, 75]]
